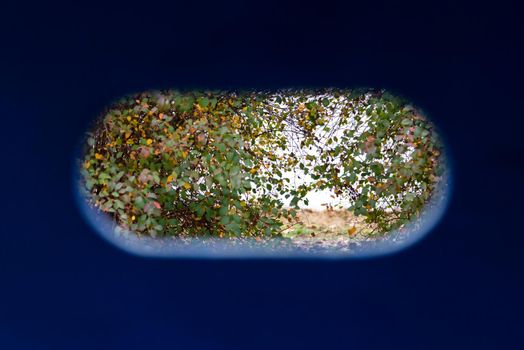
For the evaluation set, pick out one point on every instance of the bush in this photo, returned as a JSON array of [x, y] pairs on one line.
[[218, 163]]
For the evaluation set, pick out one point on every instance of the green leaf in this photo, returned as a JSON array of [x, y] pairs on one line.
[[223, 211], [139, 202], [203, 101], [406, 122]]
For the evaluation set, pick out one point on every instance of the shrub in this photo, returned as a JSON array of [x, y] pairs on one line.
[[218, 163]]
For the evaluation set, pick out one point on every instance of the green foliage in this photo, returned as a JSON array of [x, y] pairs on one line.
[[218, 163]]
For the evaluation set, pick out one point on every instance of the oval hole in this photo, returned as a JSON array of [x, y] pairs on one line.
[[285, 173]]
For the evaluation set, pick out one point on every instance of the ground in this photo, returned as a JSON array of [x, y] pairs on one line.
[[323, 232], [337, 230]]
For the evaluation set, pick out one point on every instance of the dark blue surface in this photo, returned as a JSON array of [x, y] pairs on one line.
[[63, 287]]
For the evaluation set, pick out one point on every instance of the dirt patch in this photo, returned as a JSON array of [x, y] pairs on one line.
[[337, 230]]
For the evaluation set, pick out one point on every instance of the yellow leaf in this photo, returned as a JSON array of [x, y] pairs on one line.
[[133, 218], [170, 178], [253, 170], [352, 231], [184, 154], [99, 156], [187, 186], [87, 164], [149, 141]]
